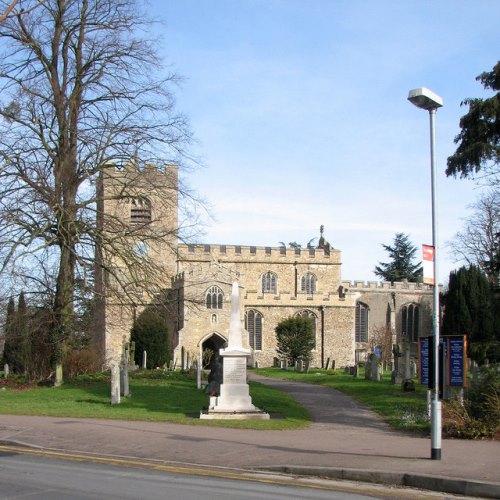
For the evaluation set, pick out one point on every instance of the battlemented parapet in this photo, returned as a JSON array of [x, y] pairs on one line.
[[386, 285], [253, 253]]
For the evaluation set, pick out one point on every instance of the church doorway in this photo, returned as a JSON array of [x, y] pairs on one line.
[[210, 348]]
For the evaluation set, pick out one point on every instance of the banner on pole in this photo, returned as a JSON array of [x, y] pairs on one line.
[[428, 264]]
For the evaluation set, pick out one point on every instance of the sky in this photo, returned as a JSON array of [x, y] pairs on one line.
[[300, 112]]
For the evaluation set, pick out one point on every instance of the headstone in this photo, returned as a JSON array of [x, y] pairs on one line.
[[144, 359], [59, 375], [198, 372], [124, 366], [333, 364], [115, 384], [132, 353], [6, 370], [355, 372], [396, 375]]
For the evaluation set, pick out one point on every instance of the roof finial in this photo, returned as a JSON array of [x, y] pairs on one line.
[[321, 229]]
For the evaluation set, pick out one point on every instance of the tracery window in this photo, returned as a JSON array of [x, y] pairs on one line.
[[214, 298], [269, 282], [308, 283], [140, 211], [253, 325], [309, 314], [361, 322], [410, 319]]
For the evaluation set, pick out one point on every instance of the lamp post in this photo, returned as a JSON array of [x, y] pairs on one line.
[[426, 99]]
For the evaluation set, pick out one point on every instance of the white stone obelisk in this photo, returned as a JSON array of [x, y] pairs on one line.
[[234, 400]]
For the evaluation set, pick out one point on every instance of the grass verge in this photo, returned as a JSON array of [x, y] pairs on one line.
[[156, 396], [401, 410]]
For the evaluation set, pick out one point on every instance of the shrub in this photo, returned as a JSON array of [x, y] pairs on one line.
[[479, 414], [295, 339], [150, 334], [81, 362]]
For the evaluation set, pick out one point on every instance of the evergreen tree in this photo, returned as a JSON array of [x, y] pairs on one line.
[[479, 139], [22, 328], [9, 348], [295, 339], [469, 310], [150, 334], [401, 266]]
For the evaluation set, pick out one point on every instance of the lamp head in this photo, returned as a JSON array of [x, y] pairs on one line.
[[425, 99]]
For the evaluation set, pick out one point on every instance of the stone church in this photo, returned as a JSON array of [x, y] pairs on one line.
[[275, 283]]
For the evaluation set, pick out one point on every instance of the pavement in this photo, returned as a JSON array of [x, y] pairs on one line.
[[345, 441]]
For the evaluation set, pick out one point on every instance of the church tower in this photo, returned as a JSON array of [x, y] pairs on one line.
[[137, 216]]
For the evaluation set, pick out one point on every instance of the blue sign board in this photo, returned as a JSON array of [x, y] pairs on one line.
[[456, 358], [424, 360], [453, 355]]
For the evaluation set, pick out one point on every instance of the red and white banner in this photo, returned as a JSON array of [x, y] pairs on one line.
[[428, 264]]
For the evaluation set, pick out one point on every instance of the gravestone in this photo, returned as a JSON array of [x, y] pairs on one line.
[[372, 368], [124, 367], [144, 359], [396, 375], [6, 370], [115, 384]]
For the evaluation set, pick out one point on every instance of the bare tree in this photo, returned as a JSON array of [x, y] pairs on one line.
[[479, 242], [82, 94], [7, 10]]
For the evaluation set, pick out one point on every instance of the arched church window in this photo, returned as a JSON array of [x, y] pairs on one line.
[[361, 322], [309, 314], [269, 282], [140, 211], [214, 298], [253, 325], [308, 283], [410, 319]]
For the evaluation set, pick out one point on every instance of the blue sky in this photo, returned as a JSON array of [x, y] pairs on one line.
[[300, 112]]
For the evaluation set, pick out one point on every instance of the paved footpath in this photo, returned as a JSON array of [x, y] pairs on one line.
[[346, 440]]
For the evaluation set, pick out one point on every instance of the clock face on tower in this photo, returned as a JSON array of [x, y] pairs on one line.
[[141, 248]]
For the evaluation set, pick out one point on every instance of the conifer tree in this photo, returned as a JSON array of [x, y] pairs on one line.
[[23, 333], [401, 267], [9, 354], [150, 334], [295, 339], [469, 310], [479, 139]]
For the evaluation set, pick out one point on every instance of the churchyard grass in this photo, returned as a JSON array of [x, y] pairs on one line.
[[156, 396], [401, 410]]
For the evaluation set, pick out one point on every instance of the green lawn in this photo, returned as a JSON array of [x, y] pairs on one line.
[[402, 410], [156, 395]]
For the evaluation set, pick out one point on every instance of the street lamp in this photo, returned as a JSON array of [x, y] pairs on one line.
[[426, 99]]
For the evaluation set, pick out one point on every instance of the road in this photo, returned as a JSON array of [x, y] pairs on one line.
[[36, 477], [24, 475]]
